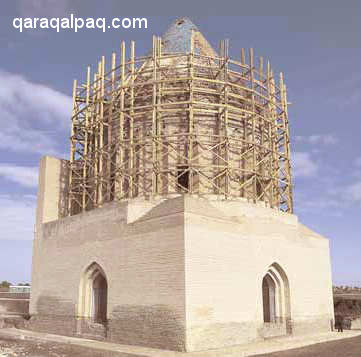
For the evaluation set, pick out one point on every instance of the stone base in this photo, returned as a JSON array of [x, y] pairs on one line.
[[12, 322], [59, 325], [164, 333], [252, 349], [147, 329], [271, 330]]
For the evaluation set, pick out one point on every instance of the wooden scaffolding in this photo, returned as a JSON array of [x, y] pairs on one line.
[[180, 123]]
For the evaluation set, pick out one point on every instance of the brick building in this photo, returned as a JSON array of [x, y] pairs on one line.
[[172, 224]]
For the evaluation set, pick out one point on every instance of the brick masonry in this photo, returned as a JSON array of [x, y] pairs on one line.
[[14, 306], [183, 273]]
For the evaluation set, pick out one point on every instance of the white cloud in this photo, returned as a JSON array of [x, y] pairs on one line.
[[18, 217], [25, 176], [32, 115], [43, 8], [303, 165], [325, 139]]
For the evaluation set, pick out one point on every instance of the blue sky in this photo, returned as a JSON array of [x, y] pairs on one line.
[[317, 46]]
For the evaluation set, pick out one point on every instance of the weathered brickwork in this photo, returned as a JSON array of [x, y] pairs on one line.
[[14, 306], [158, 326], [142, 256], [183, 273], [228, 249]]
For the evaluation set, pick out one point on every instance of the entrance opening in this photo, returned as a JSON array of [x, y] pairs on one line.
[[269, 299], [93, 295], [183, 177], [276, 296], [99, 303]]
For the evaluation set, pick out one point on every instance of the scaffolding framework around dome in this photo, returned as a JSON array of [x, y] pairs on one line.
[[173, 123]]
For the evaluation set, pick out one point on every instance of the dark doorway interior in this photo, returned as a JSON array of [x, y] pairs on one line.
[[100, 298], [183, 177], [269, 299]]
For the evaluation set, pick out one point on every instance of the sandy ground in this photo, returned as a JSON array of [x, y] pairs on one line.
[[343, 348], [350, 347], [44, 349]]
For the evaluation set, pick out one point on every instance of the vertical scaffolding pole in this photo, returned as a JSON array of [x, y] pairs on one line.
[[72, 151], [94, 155], [254, 151], [225, 114], [220, 139], [275, 139], [159, 116], [101, 132], [120, 169], [96, 137], [190, 163], [271, 133], [245, 127], [154, 117], [286, 143], [288, 154], [85, 151], [262, 128], [109, 154], [131, 119]]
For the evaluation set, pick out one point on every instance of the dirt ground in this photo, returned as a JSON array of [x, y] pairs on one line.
[[350, 347], [344, 348], [42, 349]]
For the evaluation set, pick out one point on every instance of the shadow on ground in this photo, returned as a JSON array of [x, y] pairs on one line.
[[350, 347]]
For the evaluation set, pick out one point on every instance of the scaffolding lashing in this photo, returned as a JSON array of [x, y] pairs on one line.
[[193, 122]]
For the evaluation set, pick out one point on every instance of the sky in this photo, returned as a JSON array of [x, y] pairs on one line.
[[316, 44]]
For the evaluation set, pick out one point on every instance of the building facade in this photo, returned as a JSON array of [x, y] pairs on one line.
[[172, 224]]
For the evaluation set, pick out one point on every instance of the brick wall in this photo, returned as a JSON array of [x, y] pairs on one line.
[[142, 258], [10, 306], [182, 274]]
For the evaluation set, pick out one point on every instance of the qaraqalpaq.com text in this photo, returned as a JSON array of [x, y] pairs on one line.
[[77, 23]]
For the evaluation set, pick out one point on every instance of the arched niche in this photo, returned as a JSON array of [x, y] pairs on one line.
[[276, 295], [93, 294]]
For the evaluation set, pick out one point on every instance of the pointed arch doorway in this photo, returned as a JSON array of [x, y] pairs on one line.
[[276, 298], [93, 295]]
